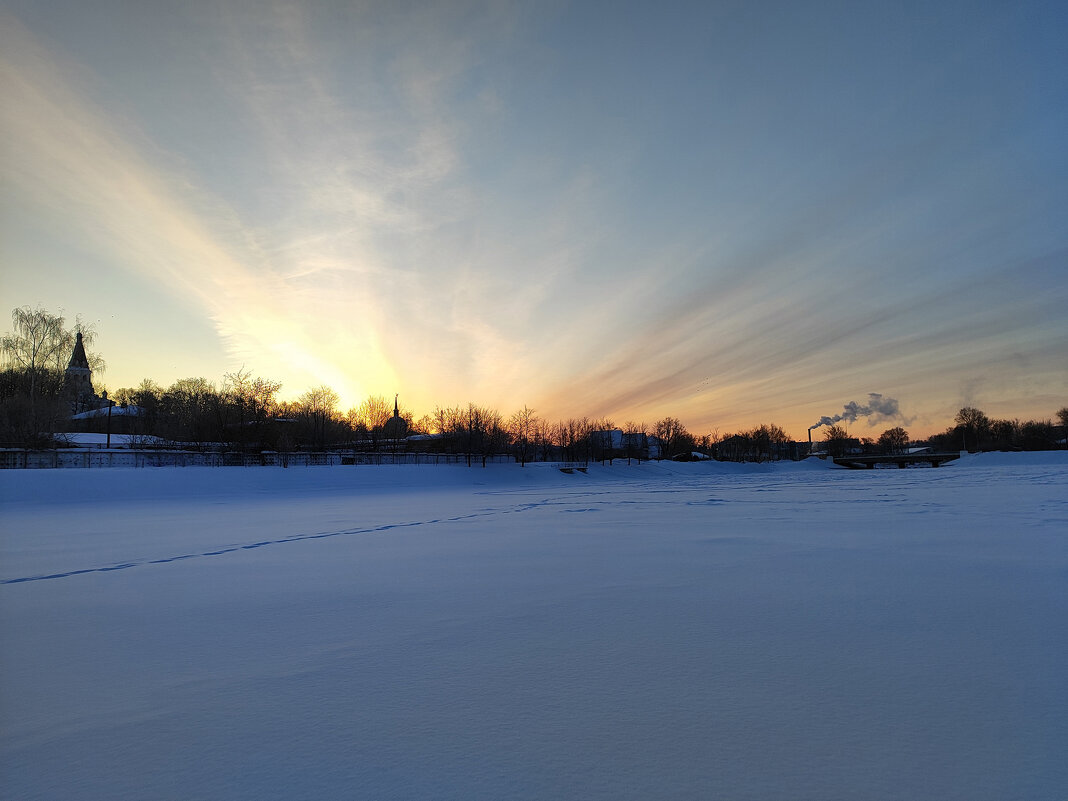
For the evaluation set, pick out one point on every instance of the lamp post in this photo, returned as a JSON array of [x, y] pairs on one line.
[[111, 403]]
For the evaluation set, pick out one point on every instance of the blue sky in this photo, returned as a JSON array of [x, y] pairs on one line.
[[731, 213]]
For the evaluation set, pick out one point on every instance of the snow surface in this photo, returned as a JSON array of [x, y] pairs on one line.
[[660, 631]]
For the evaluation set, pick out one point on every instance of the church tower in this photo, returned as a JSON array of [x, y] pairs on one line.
[[396, 427], [78, 378]]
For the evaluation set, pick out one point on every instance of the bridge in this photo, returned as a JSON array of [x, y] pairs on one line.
[[571, 467], [901, 460]]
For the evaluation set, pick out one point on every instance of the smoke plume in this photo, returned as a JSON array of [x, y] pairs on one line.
[[883, 408]]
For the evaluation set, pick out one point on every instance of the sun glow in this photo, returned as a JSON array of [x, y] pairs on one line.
[[465, 207]]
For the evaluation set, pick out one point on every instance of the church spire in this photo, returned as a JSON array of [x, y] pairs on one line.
[[396, 427], [78, 377], [78, 359]]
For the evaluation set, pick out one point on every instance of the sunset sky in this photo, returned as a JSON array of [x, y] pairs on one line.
[[727, 212]]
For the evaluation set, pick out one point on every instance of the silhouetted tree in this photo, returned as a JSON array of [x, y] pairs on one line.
[[973, 425], [1004, 434], [635, 440], [766, 441], [522, 428], [444, 426], [573, 437], [374, 413], [769, 441], [673, 436], [483, 432], [318, 407], [146, 398], [1038, 435], [191, 413], [35, 354], [40, 341], [545, 440], [32, 420], [838, 440], [894, 440], [248, 404]]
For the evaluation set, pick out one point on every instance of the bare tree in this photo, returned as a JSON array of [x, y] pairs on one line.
[[600, 438], [838, 440], [191, 412], [894, 440], [356, 424], [37, 399], [41, 341], [319, 407], [673, 436], [39, 347], [522, 428], [544, 439], [444, 426], [1005, 433], [424, 425], [487, 434], [36, 344], [250, 402], [635, 440], [146, 398], [579, 430], [374, 413], [254, 395], [572, 437], [973, 425], [767, 441], [1038, 435]]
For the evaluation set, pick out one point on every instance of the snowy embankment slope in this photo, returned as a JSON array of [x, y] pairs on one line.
[[654, 631]]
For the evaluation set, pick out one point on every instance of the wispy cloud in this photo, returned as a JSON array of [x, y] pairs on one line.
[[434, 200], [309, 285]]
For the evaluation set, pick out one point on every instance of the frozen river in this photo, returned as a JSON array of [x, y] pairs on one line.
[[639, 632]]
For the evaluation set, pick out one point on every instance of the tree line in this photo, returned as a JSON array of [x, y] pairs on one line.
[[244, 412], [974, 431]]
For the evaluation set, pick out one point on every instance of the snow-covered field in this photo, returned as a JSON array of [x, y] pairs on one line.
[[785, 631]]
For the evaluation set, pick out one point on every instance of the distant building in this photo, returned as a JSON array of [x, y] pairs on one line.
[[396, 427], [616, 443], [117, 420]]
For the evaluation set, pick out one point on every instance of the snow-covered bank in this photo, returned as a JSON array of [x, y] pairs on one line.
[[654, 631]]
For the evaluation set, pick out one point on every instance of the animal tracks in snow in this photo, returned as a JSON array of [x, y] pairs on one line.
[[215, 552], [912, 494]]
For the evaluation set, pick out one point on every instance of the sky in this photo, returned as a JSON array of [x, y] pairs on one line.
[[732, 213]]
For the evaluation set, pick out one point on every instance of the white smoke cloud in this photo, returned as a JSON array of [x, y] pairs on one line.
[[878, 406]]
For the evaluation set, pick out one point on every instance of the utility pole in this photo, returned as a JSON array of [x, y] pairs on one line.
[[111, 403]]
